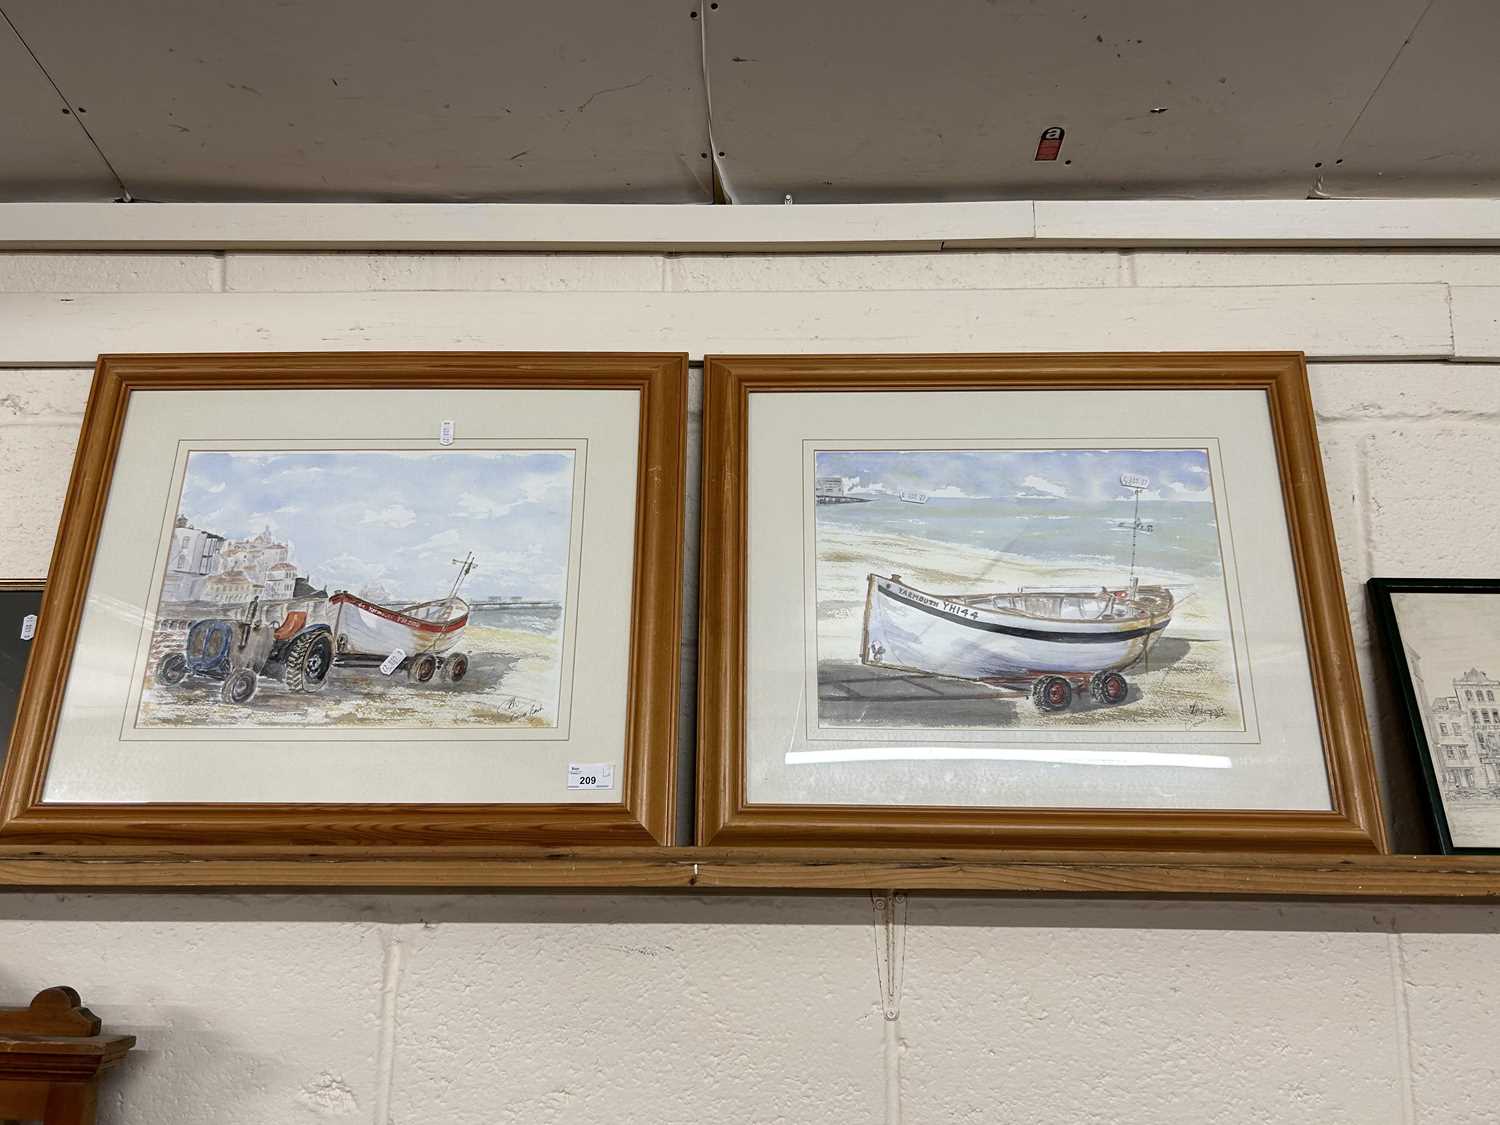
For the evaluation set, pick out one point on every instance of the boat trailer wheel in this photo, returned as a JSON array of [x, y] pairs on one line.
[[1108, 688], [422, 668], [455, 667], [1051, 693]]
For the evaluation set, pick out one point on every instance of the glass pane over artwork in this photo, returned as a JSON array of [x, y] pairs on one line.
[[1017, 598], [309, 596], [339, 590], [1449, 640]]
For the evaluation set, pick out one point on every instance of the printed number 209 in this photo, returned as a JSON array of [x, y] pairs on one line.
[[590, 775]]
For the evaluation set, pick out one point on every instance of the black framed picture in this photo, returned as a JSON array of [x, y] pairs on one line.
[[1443, 639], [19, 604]]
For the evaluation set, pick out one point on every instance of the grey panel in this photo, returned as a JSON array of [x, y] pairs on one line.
[[864, 100], [1431, 128], [356, 99], [15, 606], [43, 152]]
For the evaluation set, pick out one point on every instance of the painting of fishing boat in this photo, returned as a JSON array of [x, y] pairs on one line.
[[420, 636], [1055, 642], [1038, 589], [367, 631], [289, 597]]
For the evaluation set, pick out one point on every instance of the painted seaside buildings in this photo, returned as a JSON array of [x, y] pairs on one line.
[[206, 567], [1464, 731]]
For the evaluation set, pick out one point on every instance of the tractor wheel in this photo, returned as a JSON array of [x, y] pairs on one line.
[[422, 668], [308, 661], [172, 670], [1108, 688], [456, 667], [239, 687], [1051, 693]]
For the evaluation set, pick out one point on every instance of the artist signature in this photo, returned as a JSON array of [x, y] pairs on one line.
[[1200, 713]]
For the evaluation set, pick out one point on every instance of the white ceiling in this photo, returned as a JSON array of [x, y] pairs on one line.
[[355, 99], [43, 153], [1432, 128], [947, 100], [826, 100]]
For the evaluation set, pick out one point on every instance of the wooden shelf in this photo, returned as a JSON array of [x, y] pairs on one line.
[[1074, 874]]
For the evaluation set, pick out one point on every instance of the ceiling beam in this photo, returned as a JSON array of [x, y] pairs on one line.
[[583, 228]]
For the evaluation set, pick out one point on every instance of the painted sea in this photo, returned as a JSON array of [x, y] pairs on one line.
[[1184, 537], [544, 620]]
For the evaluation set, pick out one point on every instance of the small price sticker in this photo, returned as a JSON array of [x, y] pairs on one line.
[[393, 661], [28, 626], [596, 775], [445, 432]]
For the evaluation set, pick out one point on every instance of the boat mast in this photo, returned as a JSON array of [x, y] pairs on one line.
[[1135, 530], [1136, 483], [465, 564]]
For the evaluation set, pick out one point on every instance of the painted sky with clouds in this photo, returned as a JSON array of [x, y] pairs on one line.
[[354, 519], [1088, 475]]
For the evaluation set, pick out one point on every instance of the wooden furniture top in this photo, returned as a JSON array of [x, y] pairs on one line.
[[947, 871], [56, 1038]]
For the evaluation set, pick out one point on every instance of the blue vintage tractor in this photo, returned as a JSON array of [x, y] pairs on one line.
[[237, 653]]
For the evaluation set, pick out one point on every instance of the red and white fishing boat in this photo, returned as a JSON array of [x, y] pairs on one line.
[[419, 637]]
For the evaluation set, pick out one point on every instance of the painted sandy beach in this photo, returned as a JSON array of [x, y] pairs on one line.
[[962, 545]]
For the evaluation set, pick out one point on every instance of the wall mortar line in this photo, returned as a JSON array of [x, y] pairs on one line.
[[1403, 1024], [1362, 501], [892, 1058], [1452, 329], [890, 966], [385, 1058]]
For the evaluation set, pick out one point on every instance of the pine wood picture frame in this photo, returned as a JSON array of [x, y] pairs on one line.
[[641, 815], [726, 815]]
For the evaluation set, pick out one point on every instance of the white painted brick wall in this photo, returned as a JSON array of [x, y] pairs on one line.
[[586, 1009], [1314, 267], [545, 273], [953, 269], [110, 273], [1176, 1015]]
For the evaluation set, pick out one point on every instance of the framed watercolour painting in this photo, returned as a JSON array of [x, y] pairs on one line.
[[1026, 601], [322, 598], [1442, 637]]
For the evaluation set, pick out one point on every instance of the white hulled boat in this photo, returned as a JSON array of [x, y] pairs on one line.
[[420, 637], [1056, 640], [1014, 634], [365, 629]]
